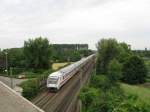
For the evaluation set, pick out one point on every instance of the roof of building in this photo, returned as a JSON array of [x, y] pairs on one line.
[[10, 101]]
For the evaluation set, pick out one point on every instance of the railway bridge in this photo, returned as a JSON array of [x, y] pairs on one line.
[[66, 99]]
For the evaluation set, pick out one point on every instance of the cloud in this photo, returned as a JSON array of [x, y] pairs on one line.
[[75, 21]]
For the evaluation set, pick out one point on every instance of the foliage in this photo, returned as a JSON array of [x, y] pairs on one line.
[[124, 52], [109, 49], [15, 57], [134, 70], [37, 53], [69, 52], [114, 60], [114, 71], [30, 88], [100, 82], [16, 71], [33, 86], [113, 99], [2, 61], [142, 53], [89, 97], [142, 93]]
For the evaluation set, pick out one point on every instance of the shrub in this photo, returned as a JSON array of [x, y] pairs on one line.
[[33, 86], [89, 97], [114, 71], [100, 81], [30, 88], [134, 71], [17, 71]]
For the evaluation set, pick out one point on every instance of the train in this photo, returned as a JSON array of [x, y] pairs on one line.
[[57, 79]]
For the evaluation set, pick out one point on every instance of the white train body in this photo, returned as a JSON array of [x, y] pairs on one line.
[[57, 79]]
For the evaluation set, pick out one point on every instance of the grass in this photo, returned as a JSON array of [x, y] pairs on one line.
[[142, 93], [56, 66]]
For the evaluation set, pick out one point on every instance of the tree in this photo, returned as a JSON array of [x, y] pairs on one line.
[[2, 61], [134, 70], [107, 49], [15, 57], [124, 52], [114, 71], [37, 53]]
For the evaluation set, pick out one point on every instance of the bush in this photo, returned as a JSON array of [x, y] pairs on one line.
[[17, 71], [114, 71], [89, 97], [30, 88], [33, 86], [101, 96], [100, 81], [134, 71]]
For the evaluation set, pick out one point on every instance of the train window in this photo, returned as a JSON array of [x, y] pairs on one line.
[[53, 80]]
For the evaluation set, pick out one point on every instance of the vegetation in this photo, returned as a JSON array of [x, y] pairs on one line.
[[37, 53], [142, 53], [33, 86], [147, 63], [69, 52], [143, 94], [30, 88], [109, 49], [114, 71], [134, 70], [105, 97], [104, 93]]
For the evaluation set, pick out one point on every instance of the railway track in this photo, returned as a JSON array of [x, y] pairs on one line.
[[60, 101]]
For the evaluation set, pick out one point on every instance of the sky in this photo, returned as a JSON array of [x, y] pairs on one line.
[[75, 21]]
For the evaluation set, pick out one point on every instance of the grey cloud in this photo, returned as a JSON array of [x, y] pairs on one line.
[[74, 21]]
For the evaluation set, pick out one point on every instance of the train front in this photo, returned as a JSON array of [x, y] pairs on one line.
[[53, 81]]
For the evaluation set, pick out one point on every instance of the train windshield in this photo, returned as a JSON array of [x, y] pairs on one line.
[[53, 80]]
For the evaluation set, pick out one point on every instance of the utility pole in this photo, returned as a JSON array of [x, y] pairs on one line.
[[11, 79], [6, 62]]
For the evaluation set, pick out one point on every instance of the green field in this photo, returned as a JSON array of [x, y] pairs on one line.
[[142, 93]]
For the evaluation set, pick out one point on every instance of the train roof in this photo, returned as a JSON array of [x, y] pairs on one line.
[[69, 67], [55, 74]]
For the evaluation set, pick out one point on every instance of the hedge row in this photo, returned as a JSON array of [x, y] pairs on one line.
[[33, 86]]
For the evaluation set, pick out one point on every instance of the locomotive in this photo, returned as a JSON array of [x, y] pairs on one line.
[[57, 79]]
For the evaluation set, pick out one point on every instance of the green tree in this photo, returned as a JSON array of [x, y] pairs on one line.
[[114, 71], [37, 53], [134, 70], [107, 49], [16, 57], [124, 52]]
